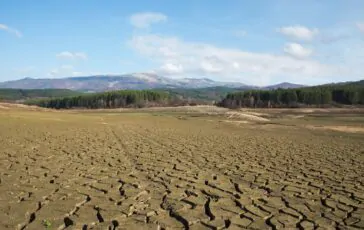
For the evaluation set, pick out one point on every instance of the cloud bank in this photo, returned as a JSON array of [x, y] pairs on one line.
[[177, 57], [299, 32], [72, 55]]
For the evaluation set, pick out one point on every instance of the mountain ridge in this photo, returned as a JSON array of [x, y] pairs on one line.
[[99, 83], [284, 85]]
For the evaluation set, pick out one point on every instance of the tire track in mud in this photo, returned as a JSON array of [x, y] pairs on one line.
[[200, 192], [133, 188], [142, 175]]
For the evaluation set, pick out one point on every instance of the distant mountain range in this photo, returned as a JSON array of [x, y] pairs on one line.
[[129, 81], [284, 85]]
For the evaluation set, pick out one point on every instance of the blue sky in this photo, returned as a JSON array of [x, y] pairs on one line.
[[256, 42]]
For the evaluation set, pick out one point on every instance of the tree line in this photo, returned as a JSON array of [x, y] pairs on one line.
[[24, 94], [113, 99], [345, 94]]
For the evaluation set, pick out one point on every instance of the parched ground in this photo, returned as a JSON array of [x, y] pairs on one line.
[[154, 170]]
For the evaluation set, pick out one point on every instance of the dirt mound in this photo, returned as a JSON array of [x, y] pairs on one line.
[[235, 122], [295, 116], [3, 107], [245, 116], [205, 109], [259, 114], [342, 128]]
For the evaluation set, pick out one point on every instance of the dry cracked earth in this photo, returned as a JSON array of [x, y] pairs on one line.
[[139, 171]]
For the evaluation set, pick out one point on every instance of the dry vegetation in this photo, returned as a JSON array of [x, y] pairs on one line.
[[191, 168]]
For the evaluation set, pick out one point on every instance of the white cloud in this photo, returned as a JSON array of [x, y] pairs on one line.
[[145, 19], [65, 54], [70, 71], [236, 65], [360, 26], [11, 30], [212, 64], [171, 69], [80, 55], [200, 59], [96, 73], [77, 74], [296, 50], [72, 55], [299, 32], [240, 33]]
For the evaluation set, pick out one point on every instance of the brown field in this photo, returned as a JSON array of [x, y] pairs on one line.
[[181, 168]]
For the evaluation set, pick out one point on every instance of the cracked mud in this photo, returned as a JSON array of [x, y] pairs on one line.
[[138, 171]]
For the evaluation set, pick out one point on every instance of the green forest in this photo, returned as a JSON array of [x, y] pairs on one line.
[[137, 98], [201, 95], [324, 95], [112, 99], [24, 94]]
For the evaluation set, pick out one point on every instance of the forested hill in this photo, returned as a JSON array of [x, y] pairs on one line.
[[200, 95], [24, 94], [351, 93], [207, 94], [112, 99]]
